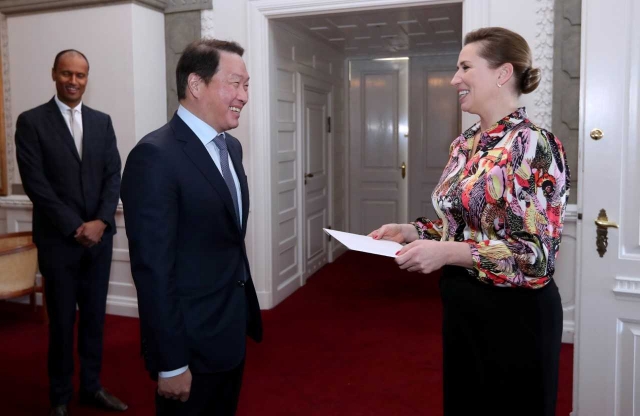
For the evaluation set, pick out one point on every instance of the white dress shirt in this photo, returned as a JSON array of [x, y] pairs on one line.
[[64, 109]]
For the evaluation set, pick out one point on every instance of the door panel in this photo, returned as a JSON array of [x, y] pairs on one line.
[[378, 119], [435, 123], [316, 98], [380, 113]]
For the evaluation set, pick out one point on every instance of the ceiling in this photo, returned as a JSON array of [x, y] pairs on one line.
[[388, 32]]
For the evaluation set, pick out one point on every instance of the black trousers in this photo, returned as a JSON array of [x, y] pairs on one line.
[[212, 394], [501, 347], [75, 275]]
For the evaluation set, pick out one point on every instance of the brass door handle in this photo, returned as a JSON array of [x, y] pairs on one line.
[[602, 229], [606, 224], [403, 169]]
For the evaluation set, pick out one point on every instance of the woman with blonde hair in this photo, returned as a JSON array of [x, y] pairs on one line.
[[500, 203]]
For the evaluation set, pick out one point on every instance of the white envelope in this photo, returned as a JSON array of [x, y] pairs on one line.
[[366, 244]]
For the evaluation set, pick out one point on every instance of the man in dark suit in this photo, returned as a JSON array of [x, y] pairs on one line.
[[186, 205], [70, 169]]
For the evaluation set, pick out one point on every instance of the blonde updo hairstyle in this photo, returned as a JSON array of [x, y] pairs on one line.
[[499, 46]]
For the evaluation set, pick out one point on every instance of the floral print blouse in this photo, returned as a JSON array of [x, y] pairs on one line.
[[507, 201]]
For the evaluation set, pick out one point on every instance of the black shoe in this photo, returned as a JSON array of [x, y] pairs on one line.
[[60, 410], [102, 400]]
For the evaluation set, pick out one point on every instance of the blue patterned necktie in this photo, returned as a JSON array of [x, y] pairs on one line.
[[221, 143]]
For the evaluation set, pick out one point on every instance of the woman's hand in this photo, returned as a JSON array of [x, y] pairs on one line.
[[400, 233], [426, 256], [423, 256]]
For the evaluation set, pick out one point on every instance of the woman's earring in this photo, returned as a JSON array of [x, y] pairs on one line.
[[498, 84]]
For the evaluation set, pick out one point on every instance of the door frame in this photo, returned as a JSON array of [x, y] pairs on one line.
[[475, 14], [321, 87]]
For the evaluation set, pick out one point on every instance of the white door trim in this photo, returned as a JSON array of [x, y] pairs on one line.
[[475, 14]]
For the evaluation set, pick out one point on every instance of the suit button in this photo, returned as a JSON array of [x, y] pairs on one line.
[[240, 283]]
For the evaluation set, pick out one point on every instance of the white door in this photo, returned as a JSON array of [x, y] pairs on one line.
[[607, 364], [378, 101], [316, 99], [435, 123]]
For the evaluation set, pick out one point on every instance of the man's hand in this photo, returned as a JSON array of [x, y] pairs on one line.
[[176, 387], [90, 233]]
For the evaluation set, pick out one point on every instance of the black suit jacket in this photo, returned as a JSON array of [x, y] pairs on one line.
[[188, 257], [66, 191]]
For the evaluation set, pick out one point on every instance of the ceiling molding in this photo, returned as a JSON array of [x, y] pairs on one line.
[[424, 30], [11, 7]]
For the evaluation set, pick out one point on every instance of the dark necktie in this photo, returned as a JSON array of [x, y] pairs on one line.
[[221, 143]]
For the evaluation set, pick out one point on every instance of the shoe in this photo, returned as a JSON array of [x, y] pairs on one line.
[[102, 400], [60, 410]]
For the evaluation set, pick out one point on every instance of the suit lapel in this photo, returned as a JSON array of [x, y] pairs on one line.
[[61, 129], [200, 157], [234, 153], [88, 133]]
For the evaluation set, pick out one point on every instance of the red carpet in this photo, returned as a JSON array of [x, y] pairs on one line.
[[360, 339]]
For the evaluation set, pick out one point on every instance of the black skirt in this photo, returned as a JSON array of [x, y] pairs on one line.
[[501, 347]]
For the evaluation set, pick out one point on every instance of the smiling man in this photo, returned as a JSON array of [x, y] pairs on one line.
[[70, 169], [186, 205]]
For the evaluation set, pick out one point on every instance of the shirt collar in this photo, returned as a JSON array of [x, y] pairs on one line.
[[205, 132], [499, 129], [65, 108]]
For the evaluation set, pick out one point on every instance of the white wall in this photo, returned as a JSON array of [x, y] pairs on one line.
[[228, 21], [149, 72], [534, 22], [131, 90]]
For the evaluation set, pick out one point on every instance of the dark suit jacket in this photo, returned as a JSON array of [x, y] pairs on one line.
[[188, 256], [66, 191]]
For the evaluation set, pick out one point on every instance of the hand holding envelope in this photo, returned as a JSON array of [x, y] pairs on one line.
[[366, 244]]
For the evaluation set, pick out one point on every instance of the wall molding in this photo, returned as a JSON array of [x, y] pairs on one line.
[[543, 59], [627, 288], [178, 6], [9, 7], [23, 202], [16, 202]]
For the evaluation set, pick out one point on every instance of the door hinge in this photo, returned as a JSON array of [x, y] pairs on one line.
[[329, 235], [579, 215], [328, 124]]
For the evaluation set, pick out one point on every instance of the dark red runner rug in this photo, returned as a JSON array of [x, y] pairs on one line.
[[360, 339]]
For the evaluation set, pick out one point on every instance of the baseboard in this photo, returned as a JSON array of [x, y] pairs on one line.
[[568, 331], [116, 305], [265, 300], [339, 251], [123, 306], [285, 289]]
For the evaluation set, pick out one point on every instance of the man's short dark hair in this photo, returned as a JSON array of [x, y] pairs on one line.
[[202, 58], [59, 55]]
